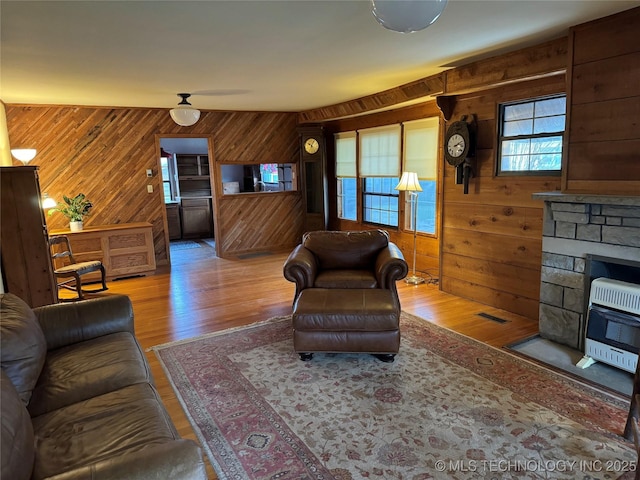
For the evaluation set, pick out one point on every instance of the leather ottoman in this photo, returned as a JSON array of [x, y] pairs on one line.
[[356, 320]]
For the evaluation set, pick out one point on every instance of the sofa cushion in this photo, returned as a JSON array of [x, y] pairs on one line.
[[17, 434], [87, 369], [23, 346], [105, 427], [346, 250]]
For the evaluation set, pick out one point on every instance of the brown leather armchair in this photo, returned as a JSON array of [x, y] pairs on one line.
[[346, 259], [346, 298]]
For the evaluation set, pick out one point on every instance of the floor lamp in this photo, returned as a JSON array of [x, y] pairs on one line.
[[409, 183]]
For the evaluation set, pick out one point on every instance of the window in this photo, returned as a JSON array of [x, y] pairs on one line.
[[259, 177], [269, 172], [346, 175], [531, 136], [421, 156], [380, 171], [167, 171]]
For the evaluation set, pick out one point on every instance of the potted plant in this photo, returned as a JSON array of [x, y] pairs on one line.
[[75, 209]]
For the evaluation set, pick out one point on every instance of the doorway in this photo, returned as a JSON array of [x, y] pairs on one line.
[[186, 170]]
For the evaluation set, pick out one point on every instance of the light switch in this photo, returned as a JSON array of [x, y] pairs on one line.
[[150, 188], [149, 172]]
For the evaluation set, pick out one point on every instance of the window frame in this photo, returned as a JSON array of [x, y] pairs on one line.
[[501, 138]]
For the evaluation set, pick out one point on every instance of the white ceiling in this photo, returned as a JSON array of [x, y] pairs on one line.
[[252, 55]]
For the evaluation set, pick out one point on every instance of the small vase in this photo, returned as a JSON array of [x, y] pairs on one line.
[[75, 226]]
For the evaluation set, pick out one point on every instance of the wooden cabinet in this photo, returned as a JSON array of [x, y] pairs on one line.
[[193, 176], [194, 185], [196, 218], [126, 249], [173, 221], [27, 270]]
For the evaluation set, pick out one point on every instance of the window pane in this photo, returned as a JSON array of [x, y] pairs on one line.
[[551, 106], [426, 214], [520, 127], [515, 163], [517, 112], [546, 145], [546, 162], [164, 168], [516, 147], [167, 191], [347, 205], [549, 124]]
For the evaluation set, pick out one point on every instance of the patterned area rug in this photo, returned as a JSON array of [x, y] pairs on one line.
[[448, 407]]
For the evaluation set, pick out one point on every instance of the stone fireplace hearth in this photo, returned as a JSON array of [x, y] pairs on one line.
[[577, 227]]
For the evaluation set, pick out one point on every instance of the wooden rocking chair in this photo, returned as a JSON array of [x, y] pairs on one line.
[[70, 271]]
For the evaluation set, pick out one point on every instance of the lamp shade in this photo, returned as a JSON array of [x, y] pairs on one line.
[[409, 182], [25, 155], [184, 114], [48, 202], [407, 16]]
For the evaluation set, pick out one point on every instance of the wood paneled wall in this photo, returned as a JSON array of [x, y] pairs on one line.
[[602, 149], [105, 152], [492, 237]]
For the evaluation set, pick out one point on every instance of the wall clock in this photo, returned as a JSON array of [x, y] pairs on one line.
[[457, 143], [311, 146], [459, 146]]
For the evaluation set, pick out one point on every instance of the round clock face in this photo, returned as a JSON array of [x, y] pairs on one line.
[[311, 146], [456, 145]]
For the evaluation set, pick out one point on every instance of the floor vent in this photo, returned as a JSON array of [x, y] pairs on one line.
[[492, 318]]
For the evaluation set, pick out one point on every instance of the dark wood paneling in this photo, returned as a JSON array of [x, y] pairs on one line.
[[105, 152], [499, 219], [513, 250], [603, 107], [253, 222], [605, 161], [255, 137], [493, 275], [492, 237], [527, 307], [606, 37], [620, 72]]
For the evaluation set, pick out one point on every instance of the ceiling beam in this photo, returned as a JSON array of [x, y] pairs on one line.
[[538, 61]]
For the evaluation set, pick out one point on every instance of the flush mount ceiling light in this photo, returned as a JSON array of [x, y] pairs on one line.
[[407, 16], [25, 155], [184, 114]]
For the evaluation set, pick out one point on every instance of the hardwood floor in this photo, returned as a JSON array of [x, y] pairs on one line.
[[202, 294]]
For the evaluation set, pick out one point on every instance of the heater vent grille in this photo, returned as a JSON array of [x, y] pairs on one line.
[[616, 294]]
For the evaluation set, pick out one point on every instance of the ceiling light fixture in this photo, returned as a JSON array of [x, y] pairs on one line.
[[25, 155], [407, 16], [184, 114]]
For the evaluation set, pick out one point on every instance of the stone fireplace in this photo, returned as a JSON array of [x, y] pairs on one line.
[[577, 229]]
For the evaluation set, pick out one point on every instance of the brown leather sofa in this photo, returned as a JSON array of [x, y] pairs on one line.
[[78, 400], [346, 298]]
